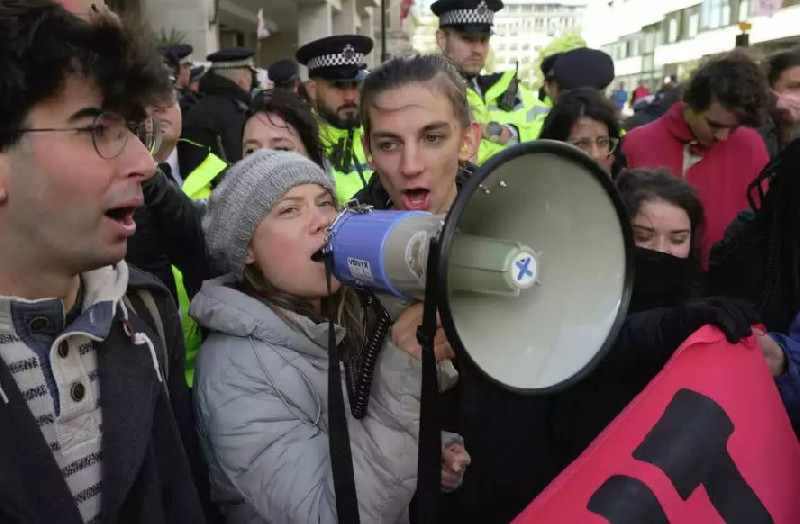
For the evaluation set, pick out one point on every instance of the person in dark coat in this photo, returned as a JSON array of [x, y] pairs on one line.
[[759, 257], [95, 418], [168, 229], [217, 120], [515, 442]]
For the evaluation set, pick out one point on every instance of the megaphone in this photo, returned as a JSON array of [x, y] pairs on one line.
[[533, 264]]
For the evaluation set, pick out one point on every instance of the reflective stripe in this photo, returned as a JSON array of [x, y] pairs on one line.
[[198, 183], [197, 186], [535, 111]]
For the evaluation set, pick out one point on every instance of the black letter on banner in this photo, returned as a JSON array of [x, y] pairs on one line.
[[689, 443], [625, 500]]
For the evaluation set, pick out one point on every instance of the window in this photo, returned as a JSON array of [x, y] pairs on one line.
[[744, 10], [635, 47], [694, 24], [672, 30], [715, 13], [649, 42]]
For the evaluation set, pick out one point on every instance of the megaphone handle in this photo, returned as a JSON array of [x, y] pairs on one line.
[[429, 459]]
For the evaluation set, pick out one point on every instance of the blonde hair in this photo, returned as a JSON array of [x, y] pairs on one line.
[[349, 313]]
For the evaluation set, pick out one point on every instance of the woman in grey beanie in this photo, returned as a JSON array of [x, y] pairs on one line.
[[261, 379]]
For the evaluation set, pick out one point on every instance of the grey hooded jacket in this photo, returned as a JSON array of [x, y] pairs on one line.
[[261, 400]]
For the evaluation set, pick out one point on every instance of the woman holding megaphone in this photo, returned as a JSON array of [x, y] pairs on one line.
[[262, 373], [420, 138]]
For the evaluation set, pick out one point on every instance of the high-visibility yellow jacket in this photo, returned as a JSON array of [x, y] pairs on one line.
[[345, 152], [526, 116], [197, 185]]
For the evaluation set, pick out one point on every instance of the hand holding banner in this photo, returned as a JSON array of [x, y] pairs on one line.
[[707, 441]]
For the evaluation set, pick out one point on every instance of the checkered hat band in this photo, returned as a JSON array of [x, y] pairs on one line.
[[233, 64], [466, 17], [336, 59]]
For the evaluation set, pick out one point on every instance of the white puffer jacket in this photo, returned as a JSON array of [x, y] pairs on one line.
[[261, 398]]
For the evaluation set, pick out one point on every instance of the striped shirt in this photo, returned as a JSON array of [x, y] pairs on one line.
[[57, 375]]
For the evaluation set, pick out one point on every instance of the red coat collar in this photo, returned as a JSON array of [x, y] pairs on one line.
[[677, 126]]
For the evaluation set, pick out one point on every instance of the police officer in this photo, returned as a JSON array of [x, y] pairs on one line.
[[178, 58], [284, 75], [506, 110], [183, 52], [579, 68], [336, 67], [548, 83], [217, 120], [196, 170]]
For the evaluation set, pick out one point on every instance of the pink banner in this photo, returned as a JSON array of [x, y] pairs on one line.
[[707, 441]]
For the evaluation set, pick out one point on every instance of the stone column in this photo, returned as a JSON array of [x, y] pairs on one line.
[[191, 17]]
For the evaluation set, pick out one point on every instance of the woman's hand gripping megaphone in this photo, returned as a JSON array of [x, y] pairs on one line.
[[404, 334]]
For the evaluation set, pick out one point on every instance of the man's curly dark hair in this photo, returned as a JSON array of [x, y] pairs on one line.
[[41, 44], [735, 81]]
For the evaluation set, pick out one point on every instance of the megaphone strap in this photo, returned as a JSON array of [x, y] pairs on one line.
[[344, 483]]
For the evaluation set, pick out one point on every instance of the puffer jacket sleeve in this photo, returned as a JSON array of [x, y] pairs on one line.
[[789, 383], [278, 458]]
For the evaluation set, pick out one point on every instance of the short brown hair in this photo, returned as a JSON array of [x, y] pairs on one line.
[[435, 69]]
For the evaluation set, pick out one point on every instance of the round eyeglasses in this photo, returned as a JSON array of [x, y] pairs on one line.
[[605, 144], [110, 132]]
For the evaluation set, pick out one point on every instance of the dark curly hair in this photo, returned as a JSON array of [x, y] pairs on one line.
[[735, 81], [295, 112], [41, 44]]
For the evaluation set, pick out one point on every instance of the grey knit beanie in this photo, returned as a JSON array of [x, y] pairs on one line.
[[246, 195]]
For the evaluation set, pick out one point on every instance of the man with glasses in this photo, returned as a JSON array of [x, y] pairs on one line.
[[94, 411], [703, 139], [169, 243], [336, 67]]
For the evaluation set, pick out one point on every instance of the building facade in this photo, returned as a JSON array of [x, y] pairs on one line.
[[650, 41], [210, 24], [525, 27]]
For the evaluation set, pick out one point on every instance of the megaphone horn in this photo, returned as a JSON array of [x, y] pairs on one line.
[[534, 264]]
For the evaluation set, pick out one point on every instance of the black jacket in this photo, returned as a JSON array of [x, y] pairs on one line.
[[148, 441], [518, 445], [168, 233], [217, 119]]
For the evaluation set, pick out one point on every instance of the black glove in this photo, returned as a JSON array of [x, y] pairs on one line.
[[733, 316]]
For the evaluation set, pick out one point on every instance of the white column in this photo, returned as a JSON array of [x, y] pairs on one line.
[[345, 23], [191, 17], [314, 21]]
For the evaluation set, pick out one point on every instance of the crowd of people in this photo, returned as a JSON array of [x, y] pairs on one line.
[[165, 324]]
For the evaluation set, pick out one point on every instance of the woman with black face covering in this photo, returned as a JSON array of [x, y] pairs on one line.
[[665, 213], [665, 308]]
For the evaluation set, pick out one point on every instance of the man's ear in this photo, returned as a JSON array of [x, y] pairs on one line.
[[250, 256], [441, 39], [470, 143], [311, 89], [5, 173]]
